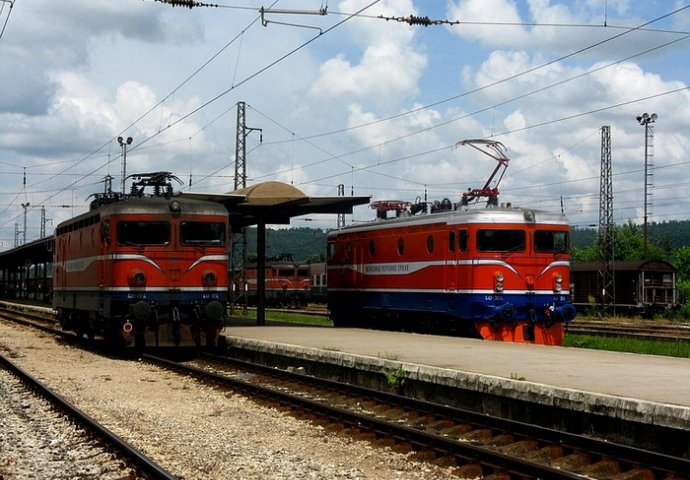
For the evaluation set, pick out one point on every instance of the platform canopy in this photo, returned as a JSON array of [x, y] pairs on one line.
[[272, 203]]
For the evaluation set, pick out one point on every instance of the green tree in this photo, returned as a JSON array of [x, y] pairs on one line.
[[628, 245], [681, 261]]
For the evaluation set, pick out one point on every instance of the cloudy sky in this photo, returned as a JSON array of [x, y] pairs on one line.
[[352, 97]]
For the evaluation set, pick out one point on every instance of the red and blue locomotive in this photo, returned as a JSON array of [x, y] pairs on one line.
[[499, 273], [149, 268]]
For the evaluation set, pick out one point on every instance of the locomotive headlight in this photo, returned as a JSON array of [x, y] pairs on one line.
[[499, 282], [558, 282], [175, 207], [137, 278], [209, 278]]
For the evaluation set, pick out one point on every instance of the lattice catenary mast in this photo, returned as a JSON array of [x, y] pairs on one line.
[[239, 239], [605, 278]]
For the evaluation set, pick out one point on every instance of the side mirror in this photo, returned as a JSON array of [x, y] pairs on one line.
[[105, 231]]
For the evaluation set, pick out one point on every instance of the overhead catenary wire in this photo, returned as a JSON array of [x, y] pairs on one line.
[[589, 72], [504, 133], [359, 13], [163, 100], [7, 17], [521, 74]]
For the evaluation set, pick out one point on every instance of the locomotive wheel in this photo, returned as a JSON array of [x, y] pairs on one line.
[[139, 341], [91, 330]]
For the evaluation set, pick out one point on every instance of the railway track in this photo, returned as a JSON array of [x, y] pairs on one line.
[[660, 330], [123, 451], [475, 445], [640, 329], [613, 327]]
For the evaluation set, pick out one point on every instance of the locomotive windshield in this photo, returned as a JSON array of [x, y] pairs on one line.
[[551, 241], [202, 233], [133, 232], [492, 240]]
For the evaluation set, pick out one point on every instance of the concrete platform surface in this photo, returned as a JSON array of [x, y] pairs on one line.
[[641, 388]]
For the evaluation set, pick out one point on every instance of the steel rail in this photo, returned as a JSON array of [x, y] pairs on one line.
[[498, 462], [143, 462], [567, 440]]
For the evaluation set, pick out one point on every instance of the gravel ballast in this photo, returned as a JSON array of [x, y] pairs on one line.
[[193, 430]]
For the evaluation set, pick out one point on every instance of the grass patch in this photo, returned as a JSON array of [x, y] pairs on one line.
[[290, 318], [631, 345], [297, 318]]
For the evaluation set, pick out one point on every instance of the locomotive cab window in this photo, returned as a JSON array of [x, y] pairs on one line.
[[202, 233], [133, 232], [551, 241], [491, 240], [462, 240], [430, 244]]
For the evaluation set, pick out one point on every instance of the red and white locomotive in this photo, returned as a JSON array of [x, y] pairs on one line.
[[149, 268], [499, 273], [287, 283]]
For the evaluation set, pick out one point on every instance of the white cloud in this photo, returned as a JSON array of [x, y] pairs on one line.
[[389, 68], [337, 110]]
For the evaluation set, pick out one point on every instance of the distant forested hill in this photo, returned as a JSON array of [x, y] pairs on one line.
[[305, 244], [678, 231], [309, 244]]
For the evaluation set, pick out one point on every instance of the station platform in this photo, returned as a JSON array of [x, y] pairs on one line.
[[609, 394]]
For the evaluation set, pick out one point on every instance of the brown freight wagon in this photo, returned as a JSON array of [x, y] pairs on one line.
[[641, 286]]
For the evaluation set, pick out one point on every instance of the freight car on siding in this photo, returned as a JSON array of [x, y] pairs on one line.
[[640, 287]]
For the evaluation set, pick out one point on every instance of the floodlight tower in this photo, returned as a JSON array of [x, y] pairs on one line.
[[123, 144], [25, 206], [647, 121]]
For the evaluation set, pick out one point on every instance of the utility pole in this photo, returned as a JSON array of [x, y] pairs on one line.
[[606, 277], [239, 239], [647, 121]]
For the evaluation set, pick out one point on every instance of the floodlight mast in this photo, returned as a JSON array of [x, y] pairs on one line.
[[647, 121], [497, 151]]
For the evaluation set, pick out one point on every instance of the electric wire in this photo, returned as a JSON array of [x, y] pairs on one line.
[[513, 77], [7, 18], [415, 110], [503, 133]]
